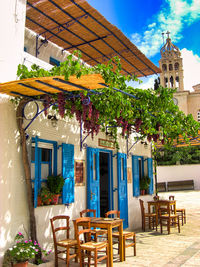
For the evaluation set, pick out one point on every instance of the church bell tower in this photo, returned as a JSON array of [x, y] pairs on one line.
[[171, 65]]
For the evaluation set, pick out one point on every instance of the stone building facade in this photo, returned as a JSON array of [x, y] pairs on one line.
[[172, 76]]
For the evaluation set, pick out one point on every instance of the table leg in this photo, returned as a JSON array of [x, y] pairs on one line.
[[121, 244], [110, 246]]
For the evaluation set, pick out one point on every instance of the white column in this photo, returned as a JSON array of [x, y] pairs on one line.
[[12, 21]]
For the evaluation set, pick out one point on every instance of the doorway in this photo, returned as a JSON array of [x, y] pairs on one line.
[[104, 182]]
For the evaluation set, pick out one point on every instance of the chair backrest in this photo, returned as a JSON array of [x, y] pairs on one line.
[[87, 212], [59, 224], [87, 236], [116, 213], [171, 197], [83, 222], [142, 207], [164, 207]]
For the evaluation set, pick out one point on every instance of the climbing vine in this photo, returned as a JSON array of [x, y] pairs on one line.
[[150, 113]]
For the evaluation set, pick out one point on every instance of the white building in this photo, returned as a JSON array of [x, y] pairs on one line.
[[49, 144]]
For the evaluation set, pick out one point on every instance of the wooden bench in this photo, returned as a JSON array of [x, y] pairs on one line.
[[161, 187], [180, 185]]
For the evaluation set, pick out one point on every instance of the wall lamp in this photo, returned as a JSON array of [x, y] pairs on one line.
[[145, 144], [53, 119]]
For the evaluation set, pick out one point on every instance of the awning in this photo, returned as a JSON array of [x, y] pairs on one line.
[[51, 85], [76, 25]]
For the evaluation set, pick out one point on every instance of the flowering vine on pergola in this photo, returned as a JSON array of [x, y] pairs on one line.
[[150, 113]]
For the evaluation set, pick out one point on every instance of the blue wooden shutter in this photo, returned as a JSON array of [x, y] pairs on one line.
[[122, 187], [136, 176], [68, 173], [150, 174]]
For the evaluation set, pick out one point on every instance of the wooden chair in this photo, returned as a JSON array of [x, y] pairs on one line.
[[65, 243], [168, 218], [95, 232], [180, 212], [87, 247], [127, 236], [147, 217]]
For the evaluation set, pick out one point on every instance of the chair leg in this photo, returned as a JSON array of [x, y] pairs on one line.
[[134, 240], [56, 257], [184, 216], [95, 258], [178, 225], [67, 258], [168, 226], [161, 229]]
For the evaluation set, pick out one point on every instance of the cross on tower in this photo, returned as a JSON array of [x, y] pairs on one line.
[[168, 34]]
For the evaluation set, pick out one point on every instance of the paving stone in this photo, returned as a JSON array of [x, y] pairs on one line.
[[162, 250]]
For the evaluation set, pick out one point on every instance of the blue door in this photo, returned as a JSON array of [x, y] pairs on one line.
[[122, 187], [93, 184], [150, 174]]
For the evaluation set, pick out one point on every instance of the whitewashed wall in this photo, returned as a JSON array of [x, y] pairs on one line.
[[13, 205], [179, 172]]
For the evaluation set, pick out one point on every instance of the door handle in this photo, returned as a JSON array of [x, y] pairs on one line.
[[115, 189], [91, 195]]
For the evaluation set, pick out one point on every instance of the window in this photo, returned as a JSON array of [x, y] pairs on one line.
[[164, 67], [54, 61], [141, 167], [176, 66], [170, 67]]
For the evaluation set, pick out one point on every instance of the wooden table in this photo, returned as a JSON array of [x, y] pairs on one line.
[[109, 224], [155, 204]]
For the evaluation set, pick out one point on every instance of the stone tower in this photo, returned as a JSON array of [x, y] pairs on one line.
[[171, 65]]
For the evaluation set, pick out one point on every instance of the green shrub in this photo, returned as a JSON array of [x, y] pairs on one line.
[[55, 183]]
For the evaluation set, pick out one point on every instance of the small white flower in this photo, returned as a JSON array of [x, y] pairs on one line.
[[10, 248], [18, 253]]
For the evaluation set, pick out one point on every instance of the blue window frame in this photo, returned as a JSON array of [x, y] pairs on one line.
[[43, 158], [141, 166]]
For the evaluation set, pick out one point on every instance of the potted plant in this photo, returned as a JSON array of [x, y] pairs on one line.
[[144, 184], [55, 184], [25, 251], [45, 196]]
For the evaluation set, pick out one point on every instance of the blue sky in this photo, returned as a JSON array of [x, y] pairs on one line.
[[143, 22]]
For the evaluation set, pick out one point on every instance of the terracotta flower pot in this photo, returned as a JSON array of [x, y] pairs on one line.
[[21, 264], [142, 192], [55, 199], [39, 201]]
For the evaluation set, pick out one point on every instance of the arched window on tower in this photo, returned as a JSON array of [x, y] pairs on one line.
[[170, 67], [164, 67], [176, 66], [177, 81], [166, 81], [171, 81], [198, 115]]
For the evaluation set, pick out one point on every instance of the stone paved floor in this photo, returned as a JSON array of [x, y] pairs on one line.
[[174, 250]]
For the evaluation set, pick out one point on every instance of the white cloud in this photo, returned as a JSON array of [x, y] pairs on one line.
[[191, 67], [173, 17], [147, 82]]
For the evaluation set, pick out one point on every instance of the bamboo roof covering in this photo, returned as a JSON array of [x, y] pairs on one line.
[[76, 25], [51, 85]]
